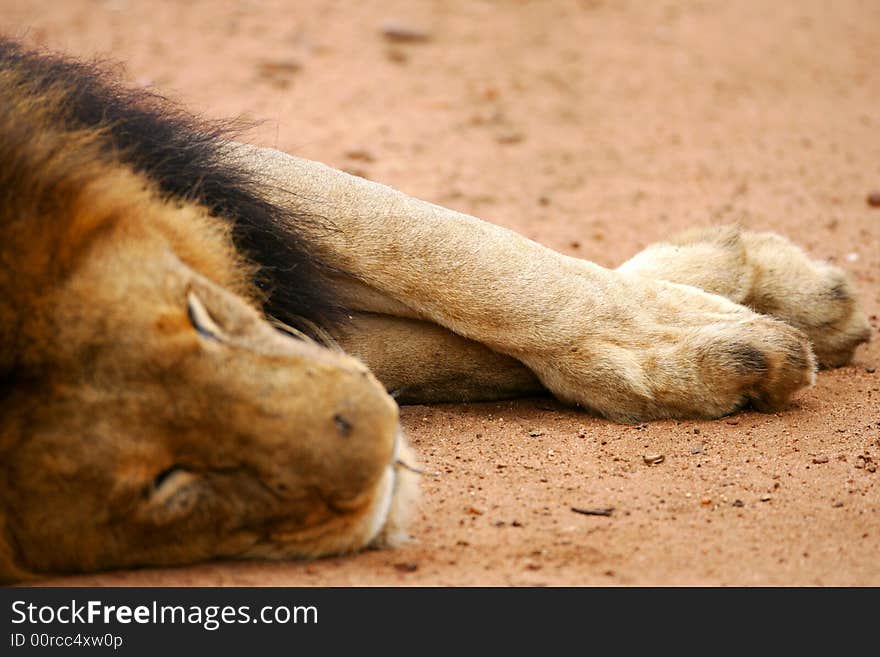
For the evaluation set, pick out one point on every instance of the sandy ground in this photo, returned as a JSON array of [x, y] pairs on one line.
[[594, 127]]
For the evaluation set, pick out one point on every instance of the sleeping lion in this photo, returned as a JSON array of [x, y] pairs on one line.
[[203, 343]]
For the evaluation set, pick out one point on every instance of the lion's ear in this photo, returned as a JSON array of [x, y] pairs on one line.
[[10, 569]]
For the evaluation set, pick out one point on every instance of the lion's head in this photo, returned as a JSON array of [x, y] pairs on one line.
[[150, 414]]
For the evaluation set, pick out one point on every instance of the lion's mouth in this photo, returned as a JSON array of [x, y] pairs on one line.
[[388, 524], [383, 522]]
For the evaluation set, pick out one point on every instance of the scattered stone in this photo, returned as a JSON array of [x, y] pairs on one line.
[[406, 567], [361, 154], [820, 459], [696, 431], [739, 503], [509, 137], [600, 511], [397, 56], [534, 433], [697, 450], [474, 511], [499, 523], [278, 73], [863, 461], [766, 498], [837, 504], [706, 501], [870, 370], [874, 199], [399, 32], [278, 67], [653, 459], [516, 523]]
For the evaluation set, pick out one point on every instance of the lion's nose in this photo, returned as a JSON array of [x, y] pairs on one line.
[[365, 422], [351, 423]]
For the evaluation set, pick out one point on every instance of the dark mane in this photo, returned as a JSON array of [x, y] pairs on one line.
[[182, 154]]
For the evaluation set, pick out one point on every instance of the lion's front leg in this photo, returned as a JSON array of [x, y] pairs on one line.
[[624, 345], [770, 275]]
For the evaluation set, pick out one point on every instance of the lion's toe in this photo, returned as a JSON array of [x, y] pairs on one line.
[[790, 366]]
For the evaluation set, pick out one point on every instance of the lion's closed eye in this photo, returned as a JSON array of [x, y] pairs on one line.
[[168, 476], [201, 319], [174, 491]]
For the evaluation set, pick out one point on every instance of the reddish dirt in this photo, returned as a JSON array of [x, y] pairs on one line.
[[593, 127]]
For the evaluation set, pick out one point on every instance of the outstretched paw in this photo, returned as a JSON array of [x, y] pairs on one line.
[[770, 275], [675, 351], [814, 296]]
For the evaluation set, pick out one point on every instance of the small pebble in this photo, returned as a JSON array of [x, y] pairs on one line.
[[738, 503], [820, 459], [278, 67], [766, 498], [874, 199], [509, 137], [653, 459], [398, 32], [601, 511], [278, 73], [407, 567], [397, 56], [361, 154], [535, 433]]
